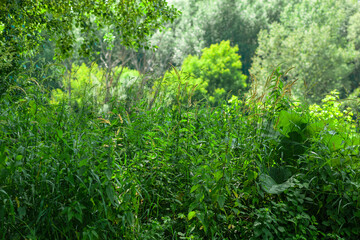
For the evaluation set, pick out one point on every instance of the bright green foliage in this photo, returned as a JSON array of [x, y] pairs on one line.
[[216, 72], [340, 134], [330, 110], [315, 43], [240, 22], [84, 82], [88, 85], [299, 131], [220, 66], [135, 20], [299, 127]]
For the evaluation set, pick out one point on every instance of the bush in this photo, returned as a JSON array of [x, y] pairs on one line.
[[88, 85], [214, 74]]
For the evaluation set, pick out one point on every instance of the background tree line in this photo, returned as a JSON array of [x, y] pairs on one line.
[[319, 40]]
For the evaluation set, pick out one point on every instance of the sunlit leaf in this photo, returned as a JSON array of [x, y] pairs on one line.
[[191, 215]]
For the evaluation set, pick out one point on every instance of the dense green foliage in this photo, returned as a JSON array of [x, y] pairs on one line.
[[214, 74], [25, 20], [28, 24], [321, 47], [239, 171], [207, 22], [92, 146]]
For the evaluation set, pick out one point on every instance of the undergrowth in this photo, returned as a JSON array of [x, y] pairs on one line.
[[262, 167]]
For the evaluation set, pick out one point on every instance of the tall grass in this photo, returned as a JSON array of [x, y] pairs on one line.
[[260, 168]]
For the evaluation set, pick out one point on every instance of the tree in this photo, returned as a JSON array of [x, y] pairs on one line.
[[240, 22], [182, 37], [313, 37], [354, 37], [215, 73], [24, 22], [207, 22]]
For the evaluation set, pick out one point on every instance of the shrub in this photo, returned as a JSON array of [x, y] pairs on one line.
[[214, 74], [88, 85]]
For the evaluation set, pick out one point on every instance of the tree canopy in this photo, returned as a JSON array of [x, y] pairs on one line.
[[26, 24], [25, 20], [207, 22], [215, 73], [318, 39]]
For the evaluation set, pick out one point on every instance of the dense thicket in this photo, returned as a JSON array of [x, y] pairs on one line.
[[186, 171], [101, 139]]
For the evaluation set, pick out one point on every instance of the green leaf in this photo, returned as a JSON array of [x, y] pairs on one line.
[[201, 217], [60, 133], [32, 104], [252, 175], [191, 215], [218, 175], [129, 217], [193, 188], [22, 212], [110, 193], [357, 214], [221, 201], [200, 196], [70, 214], [108, 173], [270, 186], [83, 162]]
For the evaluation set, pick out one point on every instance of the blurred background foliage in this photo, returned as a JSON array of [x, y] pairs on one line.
[[215, 73], [87, 84], [316, 38], [319, 40]]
